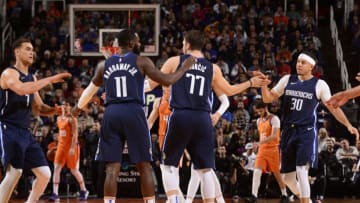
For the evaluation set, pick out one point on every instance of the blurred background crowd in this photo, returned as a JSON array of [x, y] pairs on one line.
[[241, 36]]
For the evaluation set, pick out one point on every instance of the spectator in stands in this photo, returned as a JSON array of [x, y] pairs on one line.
[[306, 19], [280, 18], [293, 13], [311, 37], [333, 167], [240, 179], [250, 156], [346, 152], [347, 155], [238, 72], [222, 163], [283, 68], [241, 116], [223, 66], [322, 139]]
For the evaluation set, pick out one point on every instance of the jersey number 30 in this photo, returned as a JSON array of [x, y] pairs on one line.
[[195, 78], [121, 89], [296, 104]]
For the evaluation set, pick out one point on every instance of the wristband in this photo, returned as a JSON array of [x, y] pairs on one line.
[[250, 82]]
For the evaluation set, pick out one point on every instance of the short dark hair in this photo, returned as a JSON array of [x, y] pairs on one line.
[[260, 105], [125, 36], [19, 42], [195, 38]]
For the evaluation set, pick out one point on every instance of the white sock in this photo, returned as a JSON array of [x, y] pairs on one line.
[[9, 182], [56, 178], [173, 198], [189, 200], [149, 199], [256, 181], [193, 184], [283, 192], [108, 199], [207, 185], [56, 188], [43, 175], [218, 193]]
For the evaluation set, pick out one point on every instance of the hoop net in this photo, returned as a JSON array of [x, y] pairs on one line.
[[108, 51]]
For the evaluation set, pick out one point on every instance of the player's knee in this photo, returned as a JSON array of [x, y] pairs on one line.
[[45, 173], [74, 170], [289, 178], [302, 175], [143, 167], [14, 172], [257, 172], [170, 177], [112, 171]]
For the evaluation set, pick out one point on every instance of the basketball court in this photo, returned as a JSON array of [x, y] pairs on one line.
[[196, 201]]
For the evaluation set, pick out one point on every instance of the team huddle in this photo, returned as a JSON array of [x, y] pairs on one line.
[[186, 122]]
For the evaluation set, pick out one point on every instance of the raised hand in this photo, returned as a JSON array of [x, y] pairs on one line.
[[353, 131], [260, 80], [59, 77]]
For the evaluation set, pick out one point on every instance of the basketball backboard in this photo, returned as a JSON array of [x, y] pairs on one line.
[[95, 25]]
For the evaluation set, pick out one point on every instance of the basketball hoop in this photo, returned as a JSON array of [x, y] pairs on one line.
[[108, 51]]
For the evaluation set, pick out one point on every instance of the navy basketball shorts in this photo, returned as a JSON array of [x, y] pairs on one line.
[[124, 122], [191, 130], [298, 147], [19, 148]]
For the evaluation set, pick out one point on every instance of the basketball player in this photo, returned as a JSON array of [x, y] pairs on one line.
[[161, 109], [124, 118], [18, 97], [342, 97], [190, 124], [298, 143], [67, 152], [268, 156], [194, 181]]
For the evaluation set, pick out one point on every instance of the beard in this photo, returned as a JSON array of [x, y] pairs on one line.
[[136, 50]]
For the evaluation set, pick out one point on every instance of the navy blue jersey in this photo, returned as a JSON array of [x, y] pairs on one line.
[[193, 90], [124, 83], [16, 109], [300, 102]]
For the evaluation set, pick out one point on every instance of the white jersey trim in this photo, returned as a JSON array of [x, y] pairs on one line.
[[322, 89]]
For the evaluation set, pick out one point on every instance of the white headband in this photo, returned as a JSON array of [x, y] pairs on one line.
[[307, 58]]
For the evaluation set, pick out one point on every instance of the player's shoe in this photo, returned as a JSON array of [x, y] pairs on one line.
[[54, 198], [284, 199], [251, 199], [83, 195]]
